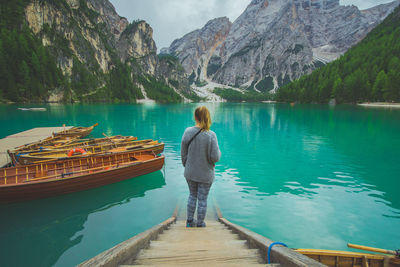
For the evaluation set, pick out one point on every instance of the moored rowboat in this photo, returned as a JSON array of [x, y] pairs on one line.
[[52, 140], [118, 139], [67, 176], [138, 146], [98, 143], [350, 259], [77, 131], [60, 142]]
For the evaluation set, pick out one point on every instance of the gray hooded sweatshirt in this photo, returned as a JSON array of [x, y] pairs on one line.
[[199, 160]]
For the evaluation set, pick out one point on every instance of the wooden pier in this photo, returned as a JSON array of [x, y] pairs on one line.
[[221, 243], [209, 246], [25, 137]]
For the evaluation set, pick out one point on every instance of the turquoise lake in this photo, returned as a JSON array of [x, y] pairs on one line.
[[310, 176]]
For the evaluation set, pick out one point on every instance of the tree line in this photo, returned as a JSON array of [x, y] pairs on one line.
[[231, 95]]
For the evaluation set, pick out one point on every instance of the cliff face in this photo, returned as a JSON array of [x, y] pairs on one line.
[[195, 49], [275, 41], [137, 42], [80, 29], [91, 35], [368, 72]]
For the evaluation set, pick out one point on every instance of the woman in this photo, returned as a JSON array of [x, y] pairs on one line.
[[199, 152]]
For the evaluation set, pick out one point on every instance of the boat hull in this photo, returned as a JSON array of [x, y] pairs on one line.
[[75, 134], [28, 159], [76, 131], [53, 187], [349, 259]]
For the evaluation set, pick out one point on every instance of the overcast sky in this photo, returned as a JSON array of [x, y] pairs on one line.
[[171, 19]]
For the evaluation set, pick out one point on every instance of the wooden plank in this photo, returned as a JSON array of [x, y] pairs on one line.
[[365, 261], [25, 137], [283, 255], [214, 265], [214, 244]]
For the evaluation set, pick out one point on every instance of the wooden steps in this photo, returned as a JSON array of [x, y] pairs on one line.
[[206, 265], [214, 245], [221, 243]]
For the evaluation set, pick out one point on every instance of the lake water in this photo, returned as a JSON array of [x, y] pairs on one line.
[[309, 176]]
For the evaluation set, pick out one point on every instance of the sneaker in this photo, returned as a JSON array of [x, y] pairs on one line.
[[203, 224], [191, 223]]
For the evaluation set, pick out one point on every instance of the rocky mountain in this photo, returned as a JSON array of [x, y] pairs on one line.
[[274, 41], [195, 50], [101, 55], [367, 72]]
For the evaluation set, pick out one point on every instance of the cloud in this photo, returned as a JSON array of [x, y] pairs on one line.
[[364, 4], [174, 18]]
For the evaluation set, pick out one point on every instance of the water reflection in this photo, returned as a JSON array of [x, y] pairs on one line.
[[314, 168], [366, 142], [300, 145], [53, 223], [308, 175], [326, 214]]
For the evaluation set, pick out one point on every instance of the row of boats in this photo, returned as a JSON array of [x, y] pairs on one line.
[[66, 163]]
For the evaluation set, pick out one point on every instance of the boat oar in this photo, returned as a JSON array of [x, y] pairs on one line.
[[110, 140], [379, 250]]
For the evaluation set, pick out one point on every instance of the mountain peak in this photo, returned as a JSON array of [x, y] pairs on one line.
[[197, 47], [316, 4], [275, 41], [223, 20]]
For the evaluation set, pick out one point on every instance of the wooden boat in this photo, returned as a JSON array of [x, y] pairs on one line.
[[350, 259], [33, 109], [67, 176], [84, 143], [64, 143], [93, 142], [77, 131], [52, 140], [86, 151], [116, 142], [155, 147]]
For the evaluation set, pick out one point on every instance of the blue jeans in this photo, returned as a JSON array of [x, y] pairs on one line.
[[197, 192]]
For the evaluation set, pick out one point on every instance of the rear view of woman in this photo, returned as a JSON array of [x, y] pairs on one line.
[[199, 152]]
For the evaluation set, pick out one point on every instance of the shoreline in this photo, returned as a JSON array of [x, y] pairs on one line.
[[39, 106], [380, 105]]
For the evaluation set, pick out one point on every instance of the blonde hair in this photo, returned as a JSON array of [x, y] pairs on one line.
[[203, 118]]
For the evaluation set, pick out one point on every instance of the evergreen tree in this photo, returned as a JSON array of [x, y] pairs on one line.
[[337, 90], [379, 86], [392, 93], [27, 70], [24, 80]]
